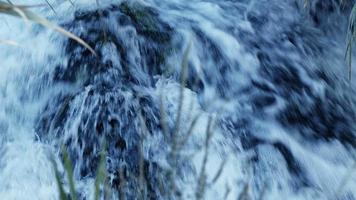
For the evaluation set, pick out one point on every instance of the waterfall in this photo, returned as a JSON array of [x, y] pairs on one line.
[[189, 99]]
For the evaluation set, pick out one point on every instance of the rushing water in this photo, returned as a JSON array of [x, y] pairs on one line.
[[267, 77]]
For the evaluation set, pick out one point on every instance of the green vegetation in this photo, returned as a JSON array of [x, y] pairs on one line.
[[68, 167]]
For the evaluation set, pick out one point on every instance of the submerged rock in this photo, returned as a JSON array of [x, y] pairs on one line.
[[132, 44], [257, 71]]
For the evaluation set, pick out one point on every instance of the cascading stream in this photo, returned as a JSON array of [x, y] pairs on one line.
[[266, 77]]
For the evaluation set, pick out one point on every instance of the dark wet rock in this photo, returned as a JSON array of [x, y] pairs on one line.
[[106, 117], [112, 107], [51, 121], [320, 11], [286, 78], [154, 48], [146, 22], [194, 80], [120, 76], [262, 86], [217, 76], [262, 101], [293, 166], [250, 142], [242, 129], [300, 34], [327, 118], [256, 20]]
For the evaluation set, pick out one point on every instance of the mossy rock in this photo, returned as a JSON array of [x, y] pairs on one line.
[[147, 22], [157, 33], [154, 42]]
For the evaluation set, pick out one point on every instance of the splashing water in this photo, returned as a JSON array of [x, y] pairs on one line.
[[267, 76]]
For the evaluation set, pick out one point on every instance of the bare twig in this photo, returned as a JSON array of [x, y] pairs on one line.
[[183, 76], [244, 195], [219, 172], [163, 117], [51, 6], [101, 172], [185, 137], [227, 192], [122, 184], [142, 180], [69, 169], [201, 185]]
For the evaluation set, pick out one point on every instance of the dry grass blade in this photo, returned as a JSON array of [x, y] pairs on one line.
[[101, 172], [71, 2], [183, 76], [51, 7], [219, 172], [62, 194], [163, 117], [142, 179], [244, 195], [185, 138], [69, 169], [23, 12], [122, 185], [227, 192], [351, 37], [9, 42], [202, 183]]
